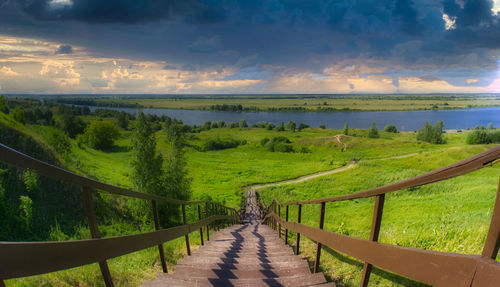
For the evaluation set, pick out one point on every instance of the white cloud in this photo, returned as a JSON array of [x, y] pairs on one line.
[[8, 72], [449, 23]]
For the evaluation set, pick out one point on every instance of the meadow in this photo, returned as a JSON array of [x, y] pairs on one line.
[[309, 102], [450, 216]]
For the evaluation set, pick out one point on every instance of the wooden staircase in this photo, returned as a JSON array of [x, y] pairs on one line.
[[248, 254]]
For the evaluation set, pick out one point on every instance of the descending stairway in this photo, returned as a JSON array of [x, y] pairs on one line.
[[248, 254]]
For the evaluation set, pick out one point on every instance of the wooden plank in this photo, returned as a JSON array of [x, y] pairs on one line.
[[430, 267], [88, 199], [318, 246], [492, 242], [186, 236], [21, 259], [206, 215], [160, 246], [374, 233], [201, 228], [299, 217], [286, 230]]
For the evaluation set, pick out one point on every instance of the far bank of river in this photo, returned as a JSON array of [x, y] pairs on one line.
[[404, 120]]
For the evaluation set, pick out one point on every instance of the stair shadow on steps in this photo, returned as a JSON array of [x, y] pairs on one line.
[[225, 274]]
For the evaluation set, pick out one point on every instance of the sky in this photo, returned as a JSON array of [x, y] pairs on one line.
[[250, 47]]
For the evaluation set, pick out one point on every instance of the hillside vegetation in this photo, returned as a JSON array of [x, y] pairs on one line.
[[449, 216]]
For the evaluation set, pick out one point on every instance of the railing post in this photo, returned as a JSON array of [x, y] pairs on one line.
[[279, 224], [492, 243], [299, 218], [275, 211], [374, 233], [88, 194], [318, 247], [201, 227], [286, 230], [184, 221], [157, 227], [208, 225], [2, 284]]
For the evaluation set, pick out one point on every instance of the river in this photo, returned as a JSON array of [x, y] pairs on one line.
[[403, 120]]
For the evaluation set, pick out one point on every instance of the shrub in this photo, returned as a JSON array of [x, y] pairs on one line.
[[390, 129], [303, 126], [270, 126], [281, 127], [243, 124], [264, 141], [346, 129], [18, 115], [71, 124], [373, 132], [278, 144], [495, 137], [234, 125], [490, 126], [304, 150], [432, 134], [478, 137], [219, 144], [3, 105], [58, 140], [322, 126], [291, 126], [100, 134]]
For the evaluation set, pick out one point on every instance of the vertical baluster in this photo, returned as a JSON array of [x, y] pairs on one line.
[[201, 227], [274, 219], [208, 225], [2, 284], [318, 247], [299, 218], [492, 243], [279, 224], [157, 227], [94, 231], [184, 221], [374, 233], [286, 230]]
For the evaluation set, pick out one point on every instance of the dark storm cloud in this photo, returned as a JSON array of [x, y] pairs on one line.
[[302, 35], [64, 49]]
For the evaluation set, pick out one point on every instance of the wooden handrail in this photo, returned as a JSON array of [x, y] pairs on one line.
[[460, 168], [436, 268], [19, 259]]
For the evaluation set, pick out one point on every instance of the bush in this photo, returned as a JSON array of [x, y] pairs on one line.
[[390, 129], [58, 140], [431, 134], [322, 126], [278, 144], [373, 132], [303, 126], [495, 137], [304, 150], [291, 126], [346, 129], [100, 135], [18, 115], [281, 127], [219, 144], [243, 124], [234, 125], [478, 137], [71, 125], [264, 141], [270, 126]]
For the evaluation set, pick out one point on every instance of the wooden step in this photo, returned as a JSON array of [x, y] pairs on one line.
[[250, 266], [195, 272]]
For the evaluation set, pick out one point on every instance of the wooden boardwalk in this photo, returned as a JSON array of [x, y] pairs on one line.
[[248, 254]]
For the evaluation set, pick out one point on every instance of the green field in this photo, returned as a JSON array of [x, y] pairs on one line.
[[311, 102], [450, 216]]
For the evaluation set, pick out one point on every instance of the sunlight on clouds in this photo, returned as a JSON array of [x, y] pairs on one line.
[[449, 23], [8, 72]]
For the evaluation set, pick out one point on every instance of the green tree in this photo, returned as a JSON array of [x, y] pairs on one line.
[[322, 126], [18, 115], [123, 120], [303, 126], [478, 136], [346, 129], [281, 127], [147, 165], [176, 183], [243, 124], [100, 134], [373, 132], [431, 134], [390, 129], [71, 124], [3, 105], [291, 126]]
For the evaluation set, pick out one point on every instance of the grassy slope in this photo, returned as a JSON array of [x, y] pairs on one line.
[[451, 216], [371, 103], [222, 174]]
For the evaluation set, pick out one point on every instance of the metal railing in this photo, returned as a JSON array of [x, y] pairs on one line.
[[21, 259], [430, 267]]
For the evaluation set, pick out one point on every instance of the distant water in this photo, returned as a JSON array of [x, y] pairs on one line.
[[404, 120]]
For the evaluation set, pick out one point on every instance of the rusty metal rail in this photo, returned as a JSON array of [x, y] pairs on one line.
[[430, 267], [20, 259]]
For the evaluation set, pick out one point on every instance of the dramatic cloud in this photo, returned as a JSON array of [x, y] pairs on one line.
[[208, 46]]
